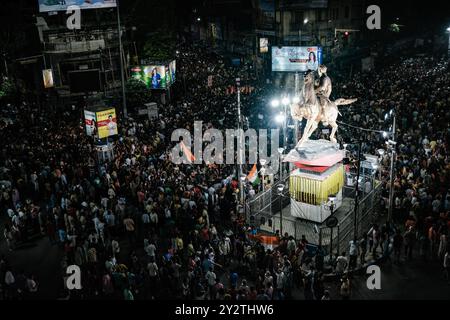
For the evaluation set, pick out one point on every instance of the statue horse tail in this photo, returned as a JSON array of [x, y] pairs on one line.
[[344, 102]]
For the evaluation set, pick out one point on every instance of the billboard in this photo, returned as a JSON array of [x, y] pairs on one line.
[[106, 123], [263, 45], [155, 76], [47, 75], [90, 123], [61, 5], [293, 59]]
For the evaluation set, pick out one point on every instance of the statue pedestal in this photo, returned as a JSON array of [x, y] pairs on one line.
[[317, 173], [321, 153]]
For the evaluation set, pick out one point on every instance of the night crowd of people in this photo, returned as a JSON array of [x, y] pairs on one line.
[[141, 227]]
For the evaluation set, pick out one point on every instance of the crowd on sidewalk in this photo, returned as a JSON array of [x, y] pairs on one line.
[[141, 227]]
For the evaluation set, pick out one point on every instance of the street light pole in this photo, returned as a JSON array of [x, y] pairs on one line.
[[241, 143], [121, 57], [355, 217], [331, 238], [391, 189], [280, 194], [280, 151]]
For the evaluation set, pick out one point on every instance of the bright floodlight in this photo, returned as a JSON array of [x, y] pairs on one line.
[[279, 118], [285, 101], [380, 152], [332, 198], [305, 21], [296, 99], [448, 29], [275, 103], [263, 161], [280, 188], [385, 134], [198, 19]]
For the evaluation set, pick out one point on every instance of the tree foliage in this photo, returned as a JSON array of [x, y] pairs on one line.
[[137, 93]]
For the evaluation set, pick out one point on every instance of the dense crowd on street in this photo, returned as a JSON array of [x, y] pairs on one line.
[[141, 227]]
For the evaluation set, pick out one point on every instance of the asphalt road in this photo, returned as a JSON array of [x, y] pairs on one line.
[[412, 280]]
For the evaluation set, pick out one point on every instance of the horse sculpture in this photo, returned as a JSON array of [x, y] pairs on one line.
[[309, 108]]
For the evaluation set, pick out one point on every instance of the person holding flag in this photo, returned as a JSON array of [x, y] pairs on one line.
[[253, 176]]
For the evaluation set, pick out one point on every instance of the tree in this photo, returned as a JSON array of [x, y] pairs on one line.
[[137, 94], [7, 90]]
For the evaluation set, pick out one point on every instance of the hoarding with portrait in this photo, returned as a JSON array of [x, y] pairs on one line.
[[296, 59], [60, 5], [106, 123], [155, 76]]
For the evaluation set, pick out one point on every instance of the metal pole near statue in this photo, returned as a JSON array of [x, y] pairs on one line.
[[121, 57], [358, 168], [391, 189]]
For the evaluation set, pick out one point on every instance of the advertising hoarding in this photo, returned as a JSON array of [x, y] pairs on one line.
[[296, 59], [90, 122], [59, 5], [263, 45], [47, 75], [155, 76], [106, 123]]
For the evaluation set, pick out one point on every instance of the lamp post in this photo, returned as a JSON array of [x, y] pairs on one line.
[[305, 21], [280, 194], [332, 204], [392, 144], [381, 153], [280, 151], [355, 217], [241, 143], [285, 101], [122, 58], [241, 189], [448, 48], [281, 117]]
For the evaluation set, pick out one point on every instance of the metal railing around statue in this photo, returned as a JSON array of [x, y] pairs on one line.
[[264, 209]]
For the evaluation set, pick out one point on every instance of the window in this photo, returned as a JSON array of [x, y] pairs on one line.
[[270, 222], [263, 220]]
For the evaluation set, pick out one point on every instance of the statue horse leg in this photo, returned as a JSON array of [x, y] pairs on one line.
[[306, 131], [334, 127]]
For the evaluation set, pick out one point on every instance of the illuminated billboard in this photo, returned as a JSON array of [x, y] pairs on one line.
[[155, 76], [59, 5], [106, 123], [296, 59]]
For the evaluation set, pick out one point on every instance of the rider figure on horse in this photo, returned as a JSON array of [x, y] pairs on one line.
[[323, 88]]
